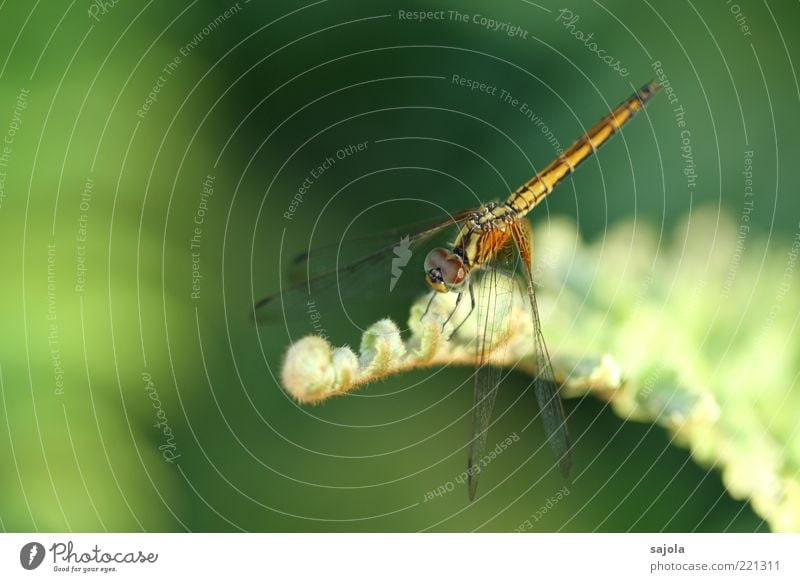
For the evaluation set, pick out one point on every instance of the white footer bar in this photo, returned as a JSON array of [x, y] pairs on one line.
[[356, 557]]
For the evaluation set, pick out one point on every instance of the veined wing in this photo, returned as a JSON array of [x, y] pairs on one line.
[[545, 387], [374, 243], [496, 289], [339, 278]]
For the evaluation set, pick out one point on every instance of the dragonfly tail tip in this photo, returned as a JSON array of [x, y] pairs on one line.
[[649, 90]]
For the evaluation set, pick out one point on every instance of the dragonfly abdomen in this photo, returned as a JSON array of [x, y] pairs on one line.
[[527, 196]]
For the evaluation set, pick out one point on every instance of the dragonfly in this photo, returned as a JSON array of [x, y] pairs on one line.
[[494, 242]]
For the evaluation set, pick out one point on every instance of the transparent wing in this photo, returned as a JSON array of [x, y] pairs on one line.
[[317, 261], [545, 387], [495, 294], [330, 276]]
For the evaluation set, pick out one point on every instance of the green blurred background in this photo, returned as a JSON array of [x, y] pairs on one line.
[[260, 96]]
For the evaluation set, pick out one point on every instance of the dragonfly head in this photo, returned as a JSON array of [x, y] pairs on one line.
[[444, 270]]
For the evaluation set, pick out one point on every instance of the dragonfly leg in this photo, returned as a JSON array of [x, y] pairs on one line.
[[455, 308], [427, 308], [472, 304]]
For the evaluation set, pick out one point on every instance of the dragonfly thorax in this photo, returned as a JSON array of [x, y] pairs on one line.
[[490, 216], [484, 233]]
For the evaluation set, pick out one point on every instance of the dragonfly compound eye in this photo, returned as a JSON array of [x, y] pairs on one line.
[[444, 270]]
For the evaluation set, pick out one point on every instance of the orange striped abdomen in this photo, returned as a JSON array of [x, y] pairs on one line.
[[534, 191]]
